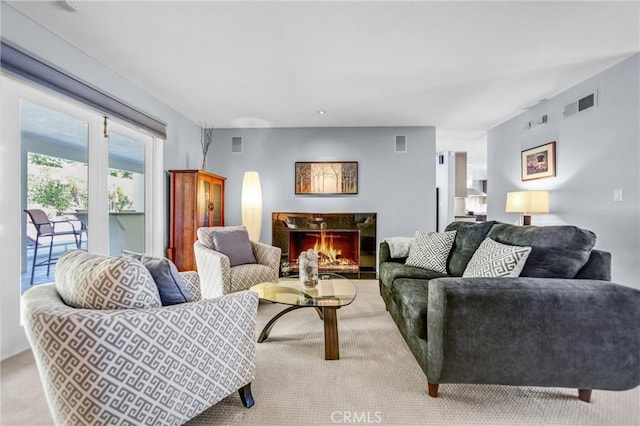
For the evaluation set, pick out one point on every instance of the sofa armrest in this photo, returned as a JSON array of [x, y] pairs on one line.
[[139, 366], [598, 267], [384, 255], [533, 331], [214, 270], [267, 255]]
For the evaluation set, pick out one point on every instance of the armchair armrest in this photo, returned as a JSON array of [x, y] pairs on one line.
[[192, 280], [533, 331], [139, 366], [267, 255], [214, 270]]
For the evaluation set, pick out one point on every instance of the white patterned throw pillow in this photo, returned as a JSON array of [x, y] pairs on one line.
[[430, 250], [94, 281], [494, 259]]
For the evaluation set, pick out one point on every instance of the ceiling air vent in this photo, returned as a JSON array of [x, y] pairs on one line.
[[580, 105]]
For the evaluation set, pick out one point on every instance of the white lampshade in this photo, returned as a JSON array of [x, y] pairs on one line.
[[527, 202], [252, 204]]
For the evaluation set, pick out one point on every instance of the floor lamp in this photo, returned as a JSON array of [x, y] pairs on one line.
[[252, 205], [527, 203]]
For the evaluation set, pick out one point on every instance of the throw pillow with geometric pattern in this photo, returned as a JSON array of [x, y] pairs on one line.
[[95, 281], [494, 259], [430, 250]]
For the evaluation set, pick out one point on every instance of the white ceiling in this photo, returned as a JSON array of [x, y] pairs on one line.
[[463, 67]]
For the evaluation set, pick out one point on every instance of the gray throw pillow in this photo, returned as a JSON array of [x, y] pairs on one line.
[[172, 288], [206, 234], [236, 246]]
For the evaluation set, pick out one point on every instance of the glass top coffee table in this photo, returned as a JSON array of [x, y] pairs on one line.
[[332, 292]]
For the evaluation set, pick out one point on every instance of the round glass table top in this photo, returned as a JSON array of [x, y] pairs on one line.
[[332, 290]]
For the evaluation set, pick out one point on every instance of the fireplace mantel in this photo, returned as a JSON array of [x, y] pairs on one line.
[[320, 225]]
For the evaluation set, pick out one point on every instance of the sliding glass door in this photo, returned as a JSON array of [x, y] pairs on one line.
[[127, 189], [96, 181]]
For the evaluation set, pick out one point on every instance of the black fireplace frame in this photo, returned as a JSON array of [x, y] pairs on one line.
[[364, 222]]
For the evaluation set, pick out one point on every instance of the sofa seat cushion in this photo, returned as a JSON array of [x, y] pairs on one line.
[[556, 251], [411, 297], [95, 281], [469, 236], [391, 271]]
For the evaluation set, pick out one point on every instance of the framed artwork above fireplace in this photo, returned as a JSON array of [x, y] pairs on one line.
[[326, 178]]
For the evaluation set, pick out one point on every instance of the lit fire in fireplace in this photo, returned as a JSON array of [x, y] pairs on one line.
[[327, 252], [331, 256]]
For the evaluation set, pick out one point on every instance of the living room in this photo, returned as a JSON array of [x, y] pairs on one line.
[[597, 149]]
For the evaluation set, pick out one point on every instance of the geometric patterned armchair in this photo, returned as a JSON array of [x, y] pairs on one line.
[[217, 275], [153, 365]]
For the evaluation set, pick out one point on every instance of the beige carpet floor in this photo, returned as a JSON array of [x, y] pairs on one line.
[[376, 381]]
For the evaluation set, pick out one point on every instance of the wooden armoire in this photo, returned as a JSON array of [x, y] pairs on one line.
[[196, 200]]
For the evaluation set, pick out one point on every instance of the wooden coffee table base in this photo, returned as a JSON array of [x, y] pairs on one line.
[[331, 348], [330, 319]]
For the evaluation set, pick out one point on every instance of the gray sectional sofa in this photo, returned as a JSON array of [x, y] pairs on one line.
[[562, 323]]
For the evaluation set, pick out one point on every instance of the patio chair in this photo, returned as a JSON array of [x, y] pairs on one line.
[[50, 232]]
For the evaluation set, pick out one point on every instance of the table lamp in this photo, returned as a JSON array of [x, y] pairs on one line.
[[527, 203]]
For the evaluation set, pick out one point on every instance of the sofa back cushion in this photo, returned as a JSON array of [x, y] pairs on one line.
[[468, 238], [556, 251], [94, 281]]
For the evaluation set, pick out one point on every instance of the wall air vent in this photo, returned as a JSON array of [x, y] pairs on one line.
[[581, 104], [587, 102], [401, 143], [236, 144]]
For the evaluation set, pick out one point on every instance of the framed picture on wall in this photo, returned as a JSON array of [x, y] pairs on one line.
[[539, 162], [327, 178]]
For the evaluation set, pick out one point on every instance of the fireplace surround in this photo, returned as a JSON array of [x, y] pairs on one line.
[[345, 242]]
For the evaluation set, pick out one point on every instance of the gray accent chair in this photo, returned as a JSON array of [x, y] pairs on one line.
[[562, 323], [218, 277], [152, 366]]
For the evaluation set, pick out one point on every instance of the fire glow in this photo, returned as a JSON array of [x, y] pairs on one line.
[[333, 250]]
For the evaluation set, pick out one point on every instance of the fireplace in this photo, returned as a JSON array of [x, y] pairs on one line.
[[346, 242]]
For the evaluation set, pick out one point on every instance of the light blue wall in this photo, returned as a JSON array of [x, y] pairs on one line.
[[400, 187], [597, 152]]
